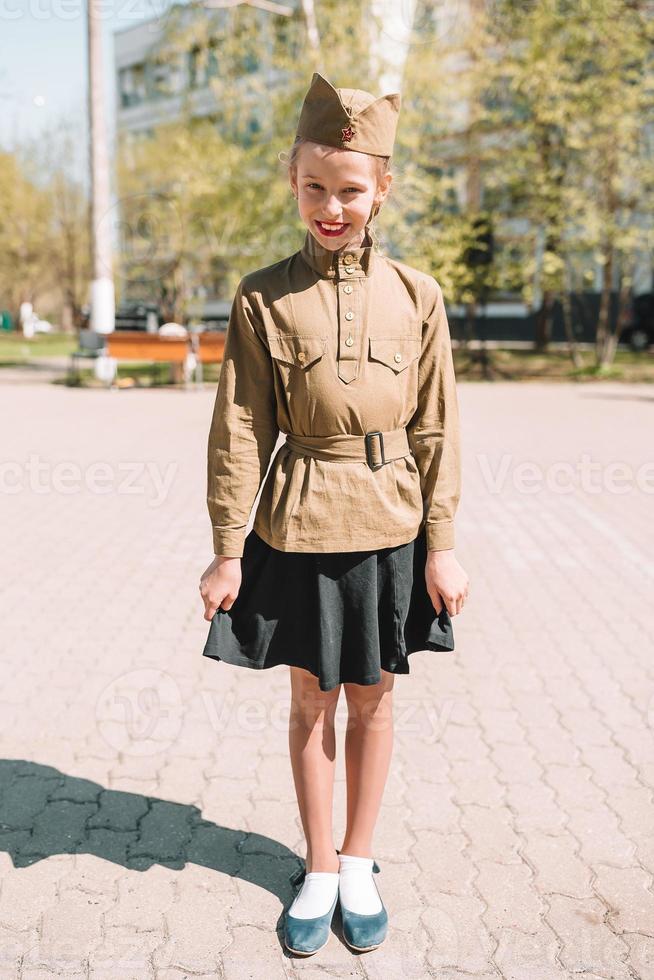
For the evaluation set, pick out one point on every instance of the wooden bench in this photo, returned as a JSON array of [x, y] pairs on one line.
[[209, 348], [134, 345]]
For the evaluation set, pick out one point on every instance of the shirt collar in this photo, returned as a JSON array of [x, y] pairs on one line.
[[347, 263]]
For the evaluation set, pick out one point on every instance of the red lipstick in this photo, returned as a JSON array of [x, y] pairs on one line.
[[331, 232]]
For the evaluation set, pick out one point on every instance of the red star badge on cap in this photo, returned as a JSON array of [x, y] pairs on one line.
[[348, 133]]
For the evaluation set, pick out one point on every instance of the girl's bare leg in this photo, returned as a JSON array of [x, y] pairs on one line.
[[368, 750], [312, 747]]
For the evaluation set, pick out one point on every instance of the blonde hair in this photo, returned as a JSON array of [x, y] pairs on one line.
[[381, 165]]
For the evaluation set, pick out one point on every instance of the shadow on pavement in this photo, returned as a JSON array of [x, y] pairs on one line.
[[625, 396], [45, 812]]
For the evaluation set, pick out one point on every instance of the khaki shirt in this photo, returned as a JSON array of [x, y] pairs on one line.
[[326, 343]]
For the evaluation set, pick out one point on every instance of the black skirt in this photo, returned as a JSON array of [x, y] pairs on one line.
[[343, 616]]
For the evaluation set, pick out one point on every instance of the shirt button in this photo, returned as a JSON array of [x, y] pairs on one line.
[[348, 259], [398, 357], [349, 341], [350, 269], [348, 287], [302, 356], [349, 315]]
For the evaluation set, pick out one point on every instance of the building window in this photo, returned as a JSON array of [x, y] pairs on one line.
[[250, 61], [159, 80], [165, 78], [132, 85], [203, 65], [285, 40]]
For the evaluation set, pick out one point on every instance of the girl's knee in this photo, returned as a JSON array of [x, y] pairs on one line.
[[371, 704], [308, 702], [365, 693]]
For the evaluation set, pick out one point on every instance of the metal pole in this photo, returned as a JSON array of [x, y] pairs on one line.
[[103, 309]]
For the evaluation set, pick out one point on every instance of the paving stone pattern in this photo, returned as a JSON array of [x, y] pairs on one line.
[[148, 824]]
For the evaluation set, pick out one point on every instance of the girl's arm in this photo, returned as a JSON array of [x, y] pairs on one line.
[[433, 430], [243, 431], [434, 437]]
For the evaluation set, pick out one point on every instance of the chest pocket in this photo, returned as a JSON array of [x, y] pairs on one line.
[[396, 352], [299, 351]]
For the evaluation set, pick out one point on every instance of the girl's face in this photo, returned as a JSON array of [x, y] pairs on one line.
[[336, 190]]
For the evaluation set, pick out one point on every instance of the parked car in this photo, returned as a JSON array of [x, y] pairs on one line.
[[132, 316], [507, 319], [214, 314], [138, 316], [639, 330]]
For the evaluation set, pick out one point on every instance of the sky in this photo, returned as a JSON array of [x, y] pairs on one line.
[[43, 56]]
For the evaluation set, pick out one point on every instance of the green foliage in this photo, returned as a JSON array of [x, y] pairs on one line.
[[539, 113], [24, 222], [44, 232]]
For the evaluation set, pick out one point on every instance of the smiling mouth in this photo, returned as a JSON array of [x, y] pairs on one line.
[[332, 229]]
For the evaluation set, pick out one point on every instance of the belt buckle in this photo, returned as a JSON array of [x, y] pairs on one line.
[[374, 466]]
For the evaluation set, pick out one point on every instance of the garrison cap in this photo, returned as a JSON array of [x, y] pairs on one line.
[[349, 118]]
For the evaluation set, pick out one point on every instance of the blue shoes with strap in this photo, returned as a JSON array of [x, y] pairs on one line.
[[362, 933], [306, 936], [365, 932]]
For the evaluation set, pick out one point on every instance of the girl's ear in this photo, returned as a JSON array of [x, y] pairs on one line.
[[384, 189]]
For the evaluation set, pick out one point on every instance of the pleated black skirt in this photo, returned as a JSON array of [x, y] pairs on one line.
[[343, 616]]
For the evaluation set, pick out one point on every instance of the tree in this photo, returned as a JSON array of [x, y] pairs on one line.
[[24, 232], [60, 157], [443, 223], [535, 114], [580, 167], [615, 169]]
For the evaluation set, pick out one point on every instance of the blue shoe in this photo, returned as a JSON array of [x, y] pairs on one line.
[[306, 936], [365, 932]]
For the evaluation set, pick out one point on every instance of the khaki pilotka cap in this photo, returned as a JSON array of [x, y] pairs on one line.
[[350, 119]]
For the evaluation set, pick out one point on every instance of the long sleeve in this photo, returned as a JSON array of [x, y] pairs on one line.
[[433, 430], [243, 431]]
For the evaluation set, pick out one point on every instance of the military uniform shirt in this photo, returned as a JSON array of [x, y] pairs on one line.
[[326, 343]]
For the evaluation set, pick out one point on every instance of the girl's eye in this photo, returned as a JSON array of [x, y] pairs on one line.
[[348, 190]]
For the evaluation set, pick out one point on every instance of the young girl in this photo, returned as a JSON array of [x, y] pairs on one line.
[[349, 566]]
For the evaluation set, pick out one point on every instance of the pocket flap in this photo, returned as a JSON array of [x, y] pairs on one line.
[[292, 349], [396, 352]]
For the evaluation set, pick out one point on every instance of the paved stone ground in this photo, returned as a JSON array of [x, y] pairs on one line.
[[147, 817]]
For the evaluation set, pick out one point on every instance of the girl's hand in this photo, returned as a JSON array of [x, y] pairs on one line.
[[446, 581], [220, 584]]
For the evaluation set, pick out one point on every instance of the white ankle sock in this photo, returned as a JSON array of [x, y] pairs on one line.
[[316, 895], [357, 890]]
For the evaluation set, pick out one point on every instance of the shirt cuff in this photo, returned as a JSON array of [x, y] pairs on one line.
[[440, 535], [228, 544]]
